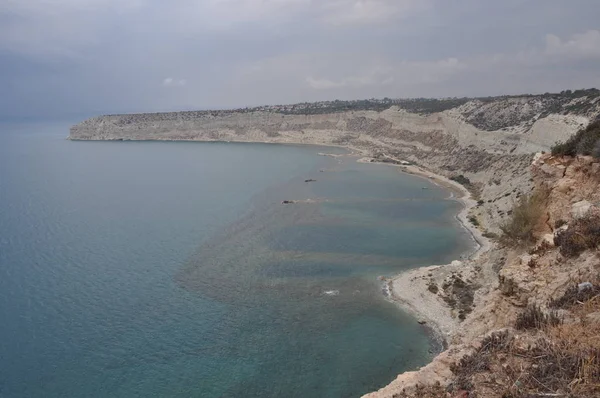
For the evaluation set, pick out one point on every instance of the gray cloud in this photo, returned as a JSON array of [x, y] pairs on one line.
[[585, 45], [170, 82], [75, 57]]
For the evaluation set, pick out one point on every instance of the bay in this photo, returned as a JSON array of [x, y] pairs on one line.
[[172, 269]]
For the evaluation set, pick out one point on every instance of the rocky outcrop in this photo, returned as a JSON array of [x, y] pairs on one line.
[[523, 277]]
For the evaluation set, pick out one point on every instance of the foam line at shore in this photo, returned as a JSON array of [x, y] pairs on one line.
[[409, 289]]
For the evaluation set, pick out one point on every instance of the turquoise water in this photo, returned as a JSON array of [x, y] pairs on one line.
[[147, 269]]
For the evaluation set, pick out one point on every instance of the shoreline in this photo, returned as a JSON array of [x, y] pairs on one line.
[[403, 289], [354, 151], [409, 289]]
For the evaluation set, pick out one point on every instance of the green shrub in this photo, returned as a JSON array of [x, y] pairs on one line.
[[433, 288], [534, 318], [525, 215], [480, 360], [490, 235], [461, 179], [584, 142], [575, 296], [581, 235]]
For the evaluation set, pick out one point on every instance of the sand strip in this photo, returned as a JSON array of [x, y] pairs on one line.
[[410, 288]]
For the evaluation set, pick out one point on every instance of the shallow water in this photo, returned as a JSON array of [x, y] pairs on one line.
[[172, 269]]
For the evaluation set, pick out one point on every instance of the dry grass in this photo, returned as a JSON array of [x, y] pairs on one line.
[[541, 249], [575, 353], [423, 391], [582, 234], [566, 359], [459, 295], [519, 230], [573, 368], [552, 360], [534, 318], [554, 366], [480, 360], [574, 297], [542, 358]]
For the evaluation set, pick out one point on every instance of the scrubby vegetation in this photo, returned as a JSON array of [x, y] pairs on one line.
[[461, 179], [581, 235], [551, 360], [490, 235], [432, 287], [415, 105], [566, 102], [503, 112], [585, 142], [534, 318], [575, 296], [465, 182], [519, 230], [459, 295], [473, 220], [561, 363], [423, 391], [540, 357], [479, 361], [548, 359]]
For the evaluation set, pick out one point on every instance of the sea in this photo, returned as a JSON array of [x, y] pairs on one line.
[[173, 269]]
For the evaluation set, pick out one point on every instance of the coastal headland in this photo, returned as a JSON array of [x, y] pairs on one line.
[[483, 150]]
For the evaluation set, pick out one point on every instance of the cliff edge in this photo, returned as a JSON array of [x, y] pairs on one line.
[[535, 333]]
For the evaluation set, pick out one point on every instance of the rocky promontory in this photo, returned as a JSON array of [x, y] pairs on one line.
[[484, 142]]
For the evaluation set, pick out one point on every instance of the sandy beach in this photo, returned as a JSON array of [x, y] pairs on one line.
[[410, 289]]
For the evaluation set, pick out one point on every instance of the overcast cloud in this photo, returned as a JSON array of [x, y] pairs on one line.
[[82, 57]]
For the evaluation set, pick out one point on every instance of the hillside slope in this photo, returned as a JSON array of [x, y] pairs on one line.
[[535, 330]]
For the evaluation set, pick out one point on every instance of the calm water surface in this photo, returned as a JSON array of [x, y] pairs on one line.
[[147, 269]]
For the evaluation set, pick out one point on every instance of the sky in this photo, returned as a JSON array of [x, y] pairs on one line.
[[86, 57]]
